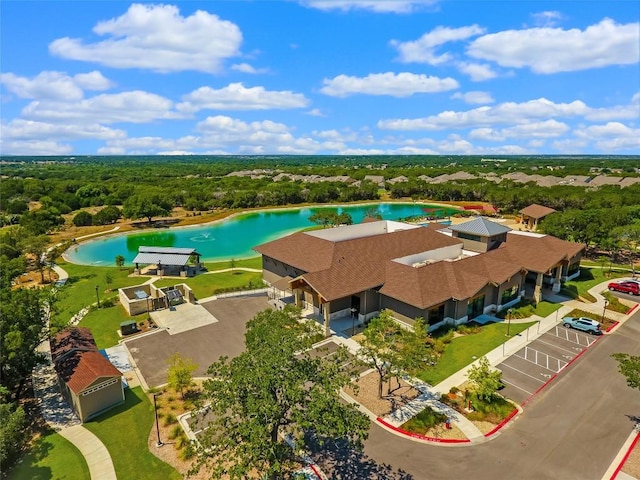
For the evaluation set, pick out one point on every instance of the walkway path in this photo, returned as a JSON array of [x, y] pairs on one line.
[[94, 451], [429, 394]]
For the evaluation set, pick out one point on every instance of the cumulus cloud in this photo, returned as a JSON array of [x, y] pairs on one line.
[[504, 113], [396, 85], [158, 38], [246, 68], [133, 107], [478, 72], [538, 130], [236, 96], [33, 147], [54, 85], [551, 50], [548, 18], [19, 129], [476, 98], [423, 50], [612, 136], [378, 6]]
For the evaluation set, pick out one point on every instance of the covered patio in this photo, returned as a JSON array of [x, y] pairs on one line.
[[167, 261]]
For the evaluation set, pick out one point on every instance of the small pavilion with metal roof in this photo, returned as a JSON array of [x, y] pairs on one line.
[[170, 261]]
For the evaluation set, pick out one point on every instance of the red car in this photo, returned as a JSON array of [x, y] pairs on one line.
[[626, 286]]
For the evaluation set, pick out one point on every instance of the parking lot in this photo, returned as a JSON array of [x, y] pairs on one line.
[[534, 365]]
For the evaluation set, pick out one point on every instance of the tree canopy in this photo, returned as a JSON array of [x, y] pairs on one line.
[[272, 389], [629, 366]]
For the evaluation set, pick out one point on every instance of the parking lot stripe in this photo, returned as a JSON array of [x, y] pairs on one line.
[[524, 373], [516, 386], [556, 346], [536, 363]]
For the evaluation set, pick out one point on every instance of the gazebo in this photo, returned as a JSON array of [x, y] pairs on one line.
[[170, 261]]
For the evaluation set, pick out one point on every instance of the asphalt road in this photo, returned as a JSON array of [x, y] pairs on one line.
[[572, 429]]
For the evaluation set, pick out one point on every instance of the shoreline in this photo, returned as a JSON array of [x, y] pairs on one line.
[[231, 215]]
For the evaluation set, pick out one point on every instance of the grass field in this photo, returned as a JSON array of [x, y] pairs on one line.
[[466, 349], [51, 457], [124, 430], [209, 284], [589, 277]]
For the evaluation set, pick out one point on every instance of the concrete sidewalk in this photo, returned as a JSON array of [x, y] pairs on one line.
[[95, 453]]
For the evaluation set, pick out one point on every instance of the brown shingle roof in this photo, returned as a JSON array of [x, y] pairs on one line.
[[538, 254], [536, 211], [81, 369], [74, 338]]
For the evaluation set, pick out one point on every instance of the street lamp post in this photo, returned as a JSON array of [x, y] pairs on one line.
[[97, 296], [509, 312], [604, 310], [155, 407]]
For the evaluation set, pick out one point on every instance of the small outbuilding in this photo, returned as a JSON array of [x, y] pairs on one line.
[[169, 261], [88, 380], [531, 215]]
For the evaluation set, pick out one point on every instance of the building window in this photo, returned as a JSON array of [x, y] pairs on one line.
[[100, 387], [475, 307], [436, 315], [509, 294], [468, 236]]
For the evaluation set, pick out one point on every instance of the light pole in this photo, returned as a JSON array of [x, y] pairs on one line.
[[97, 296], [604, 310], [509, 312], [155, 407]]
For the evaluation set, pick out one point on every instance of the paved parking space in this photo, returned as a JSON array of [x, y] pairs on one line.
[[203, 345], [531, 367]]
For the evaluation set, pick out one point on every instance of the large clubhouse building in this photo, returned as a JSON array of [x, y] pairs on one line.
[[442, 274]]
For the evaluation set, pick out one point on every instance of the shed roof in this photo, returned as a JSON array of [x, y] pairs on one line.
[[536, 211], [164, 255], [480, 226], [81, 369]]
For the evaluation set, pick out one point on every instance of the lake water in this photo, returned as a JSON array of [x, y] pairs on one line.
[[234, 237]]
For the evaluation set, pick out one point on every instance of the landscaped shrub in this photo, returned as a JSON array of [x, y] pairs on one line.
[[494, 412], [188, 452], [469, 329], [426, 419], [170, 419], [175, 431]]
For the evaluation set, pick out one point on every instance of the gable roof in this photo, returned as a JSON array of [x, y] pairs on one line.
[[538, 253], [336, 269], [536, 211], [81, 369], [77, 359], [480, 226], [164, 255], [71, 339]]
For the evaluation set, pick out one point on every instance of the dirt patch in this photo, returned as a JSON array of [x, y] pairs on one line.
[[367, 394], [34, 279], [484, 427], [441, 432]]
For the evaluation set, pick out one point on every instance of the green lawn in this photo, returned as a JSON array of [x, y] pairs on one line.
[[124, 430], [51, 457], [105, 323], [209, 284], [524, 309], [589, 277], [468, 348], [80, 289], [254, 262]]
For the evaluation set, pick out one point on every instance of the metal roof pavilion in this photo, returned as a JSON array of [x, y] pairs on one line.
[[164, 255]]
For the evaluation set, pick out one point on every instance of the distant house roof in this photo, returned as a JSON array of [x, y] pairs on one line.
[[480, 226], [536, 211], [77, 360], [164, 255]]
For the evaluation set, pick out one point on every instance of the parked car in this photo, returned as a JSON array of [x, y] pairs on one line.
[[625, 286], [582, 323]]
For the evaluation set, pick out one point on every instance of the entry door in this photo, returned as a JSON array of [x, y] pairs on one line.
[[475, 307]]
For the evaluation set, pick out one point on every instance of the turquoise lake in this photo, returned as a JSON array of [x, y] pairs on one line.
[[236, 236]]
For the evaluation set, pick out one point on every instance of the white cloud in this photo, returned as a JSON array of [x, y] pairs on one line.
[[475, 98], [158, 38], [504, 113], [396, 85], [236, 96], [133, 107], [33, 147], [546, 129], [378, 6], [613, 136], [551, 50], [547, 18], [246, 68], [316, 112], [423, 49], [19, 129], [478, 72], [54, 85]]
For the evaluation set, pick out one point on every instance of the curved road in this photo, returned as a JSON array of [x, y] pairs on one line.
[[572, 429]]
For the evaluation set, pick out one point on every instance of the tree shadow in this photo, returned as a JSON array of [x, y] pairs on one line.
[[339, 460]]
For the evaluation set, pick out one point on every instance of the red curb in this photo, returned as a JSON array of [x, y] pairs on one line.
[[611, 327], [315, 471], [502, 424], [421, 437], [555, 375], [632, 309], [626, 457]]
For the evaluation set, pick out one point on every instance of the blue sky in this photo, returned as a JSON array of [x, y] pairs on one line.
[[347, 77]]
